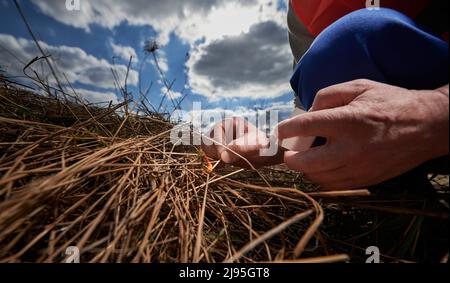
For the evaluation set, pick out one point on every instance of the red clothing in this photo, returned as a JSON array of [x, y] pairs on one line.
[[319, 14]]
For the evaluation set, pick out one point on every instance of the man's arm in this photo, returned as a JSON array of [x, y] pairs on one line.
[[375, 132]]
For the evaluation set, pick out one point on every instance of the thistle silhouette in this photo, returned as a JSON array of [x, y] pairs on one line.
[[151, 46]]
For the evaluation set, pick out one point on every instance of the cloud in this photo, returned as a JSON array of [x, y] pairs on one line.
[[206, 118], [239, 48], [75, 63], [97, 97], [163, 62], [256, 64], [123, 52], [174, 95], [189, 19]]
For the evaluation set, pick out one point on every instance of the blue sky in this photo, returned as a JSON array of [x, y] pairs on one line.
[[230, 55]]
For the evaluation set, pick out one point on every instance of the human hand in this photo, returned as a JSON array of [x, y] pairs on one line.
[[238, 135], [374, 131]]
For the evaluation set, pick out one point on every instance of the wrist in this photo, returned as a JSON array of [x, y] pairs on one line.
[[444, 90], [436, 121]]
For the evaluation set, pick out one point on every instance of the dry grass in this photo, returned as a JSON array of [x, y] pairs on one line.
[[70, 176], [113, 185]]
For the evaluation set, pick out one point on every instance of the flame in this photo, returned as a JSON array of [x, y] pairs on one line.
[[208, 164]]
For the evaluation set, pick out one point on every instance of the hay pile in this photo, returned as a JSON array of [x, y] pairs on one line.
[[117, 189], [111, 184]]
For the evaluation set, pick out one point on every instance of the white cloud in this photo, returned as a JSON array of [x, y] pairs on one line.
[[249, 67], [202, 117], [123, 52], [189, 19], [97, 97], [74, 62], [163, 62], [174, 95]]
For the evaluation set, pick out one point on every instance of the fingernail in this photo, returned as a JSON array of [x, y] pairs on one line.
[[227, 157]]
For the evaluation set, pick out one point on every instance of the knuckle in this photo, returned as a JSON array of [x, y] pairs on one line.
[[320, 100], [350, 115], [362, 82], [363, 85], [321, 94], [305, 120]]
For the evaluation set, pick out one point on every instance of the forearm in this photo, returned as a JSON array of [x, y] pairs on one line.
[[438, 121]]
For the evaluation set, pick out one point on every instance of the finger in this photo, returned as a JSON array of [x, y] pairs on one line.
[[228, 127], [324, 123], [315, 160], [330, 179], [354, 181], [341, 186], [220, 141], [343, 178], [234, 128], [246, 146], [224, 133], [340, 94], [258, 161], [212, 145], [210, 151]]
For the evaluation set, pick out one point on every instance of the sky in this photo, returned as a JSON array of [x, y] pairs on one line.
[[232, 56]]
